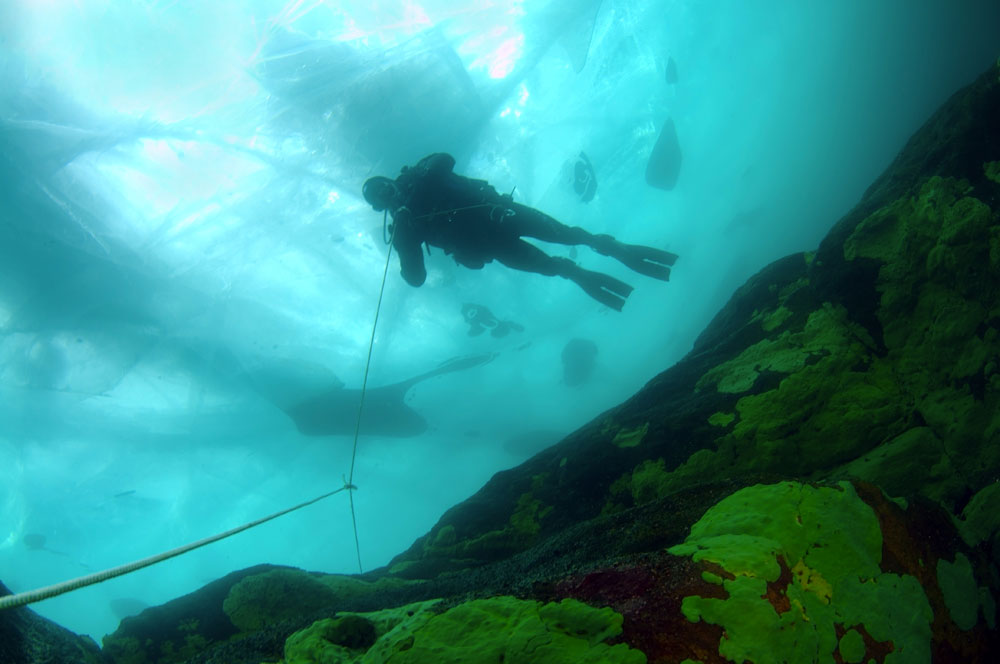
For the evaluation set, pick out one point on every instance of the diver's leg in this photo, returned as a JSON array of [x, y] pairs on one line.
[[529, 222], [607, 290]]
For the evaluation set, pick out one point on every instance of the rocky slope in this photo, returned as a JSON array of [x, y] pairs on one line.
[[815, 481]]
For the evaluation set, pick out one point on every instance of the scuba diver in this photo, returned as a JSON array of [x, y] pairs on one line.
[[468, 219]]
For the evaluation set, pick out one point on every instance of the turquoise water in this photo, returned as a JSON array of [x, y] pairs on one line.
[[184, 249]]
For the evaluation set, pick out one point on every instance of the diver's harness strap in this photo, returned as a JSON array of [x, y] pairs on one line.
[[499, 208], [502, 210], [499, 211]]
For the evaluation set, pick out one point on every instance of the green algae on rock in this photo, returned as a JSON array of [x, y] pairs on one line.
[[992, 170], [803, 562], [981, 518], [478, 631], [275, 595], [834, 401], [630, 437], [939, 287], [272, 596], [648, 481], [916, 455], [324, 641], [958, 585], [521, 529], [852, 647], [721, 419]]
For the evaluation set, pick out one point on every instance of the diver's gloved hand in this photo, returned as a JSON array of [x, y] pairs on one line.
[[406, 238]]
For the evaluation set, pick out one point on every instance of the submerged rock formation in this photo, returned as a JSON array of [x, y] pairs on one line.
[[28, 638], [815, 481]]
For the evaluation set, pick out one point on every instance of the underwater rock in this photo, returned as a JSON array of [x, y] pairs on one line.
[[664, 165], [832, 581], [761, 574], [341, 639], [273, 596], [248, 616], [27, 638], [760, 571], [579, 356], [181, 628], [981, 518], [498, 629]]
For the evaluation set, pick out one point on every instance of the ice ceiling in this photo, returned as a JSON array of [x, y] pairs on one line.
[[184, 249]]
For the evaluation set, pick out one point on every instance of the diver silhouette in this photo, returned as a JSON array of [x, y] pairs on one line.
[[468, 219]]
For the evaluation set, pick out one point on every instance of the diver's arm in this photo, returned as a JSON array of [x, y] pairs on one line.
[[406, 240]]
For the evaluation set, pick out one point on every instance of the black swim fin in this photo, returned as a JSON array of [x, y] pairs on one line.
[[649, 261], [605, 289]]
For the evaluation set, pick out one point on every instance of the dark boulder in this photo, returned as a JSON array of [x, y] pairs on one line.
[[28, 638]]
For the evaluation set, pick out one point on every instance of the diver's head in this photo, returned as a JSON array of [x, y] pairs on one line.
[[380, 192]]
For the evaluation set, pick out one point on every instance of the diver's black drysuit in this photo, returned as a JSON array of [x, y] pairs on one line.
[[469, 220]]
